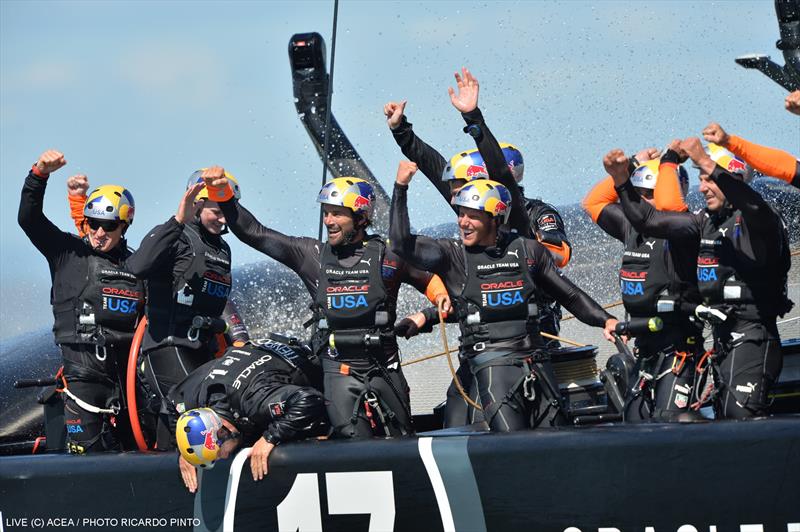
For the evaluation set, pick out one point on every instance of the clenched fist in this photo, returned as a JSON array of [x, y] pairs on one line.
[[793, 102], [713, 132], [405, 171], [50, 161], [616, 164], [77, 185]]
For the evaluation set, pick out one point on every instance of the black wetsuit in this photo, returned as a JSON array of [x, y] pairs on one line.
[[347, 376], [267, 389], [96, 304], [658, 278], [530, 217], [742, 267], [501, 360], [187, 270]]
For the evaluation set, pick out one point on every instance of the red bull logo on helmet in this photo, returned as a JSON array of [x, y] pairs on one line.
[[209, 442], [500, 208], [475, 171], [360, 203], [736, 166]]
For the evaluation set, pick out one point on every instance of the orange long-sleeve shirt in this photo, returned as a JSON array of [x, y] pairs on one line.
[[76, 204], [769, 161]]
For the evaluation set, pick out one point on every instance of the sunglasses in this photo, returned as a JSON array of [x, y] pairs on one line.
[[109, 226], [224, 434]]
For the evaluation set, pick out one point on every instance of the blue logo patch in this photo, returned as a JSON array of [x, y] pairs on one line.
[[347, 301], [706, 274], [121, 305]]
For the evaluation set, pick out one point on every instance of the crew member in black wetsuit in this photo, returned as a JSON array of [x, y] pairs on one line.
[[742, 267], [353, 281], [262, 394], [531, 218], [657, 277], [491, 275], [96, 304], [187, 266]]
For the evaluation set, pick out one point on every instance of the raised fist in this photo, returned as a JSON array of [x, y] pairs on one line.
[[693, 148], [793, 102], [77, 185], [616, 164], [675, 146], [713, 132], [214, 176], [405, 171], [50, 161], [394, 113], [647, 154]]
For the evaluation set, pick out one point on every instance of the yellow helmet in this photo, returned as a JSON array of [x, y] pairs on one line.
[[469, 164], [351, 192], [730, 162], [485, 195], [110, 202], [196, 434], [196, 177]]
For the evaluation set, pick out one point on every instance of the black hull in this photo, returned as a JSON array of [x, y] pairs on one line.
[[628, 477]]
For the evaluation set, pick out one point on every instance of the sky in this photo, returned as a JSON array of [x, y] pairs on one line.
[[143, 93]]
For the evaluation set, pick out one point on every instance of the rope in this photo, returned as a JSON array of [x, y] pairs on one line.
[[560, 339], [605, 307], [457, 382], [328, 109], [448, 351]]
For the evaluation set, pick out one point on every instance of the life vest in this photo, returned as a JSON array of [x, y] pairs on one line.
[[644, 276], [201, 290], [497, 303], [351, 304], [727, 276], [108, 305]]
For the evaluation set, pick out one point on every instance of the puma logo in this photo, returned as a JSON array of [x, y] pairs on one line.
[[650, 244], [723, 231], [367, 262], [515, 253]]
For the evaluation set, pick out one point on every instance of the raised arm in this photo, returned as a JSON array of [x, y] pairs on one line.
[[769, 161], [428, 160], [755, 210], [466, 101], [288, 250], [601, 204], [667, 194], [159, 243], [43, 233], [77, 186], [420, 251], [643, 217]]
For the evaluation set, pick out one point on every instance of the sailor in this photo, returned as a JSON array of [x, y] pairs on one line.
[[504, 163], [657, 278], [187, 266], [769, 161], [353, 281], [77, 187], [491, 275], [742, 266], [261, 394], [96, 304]]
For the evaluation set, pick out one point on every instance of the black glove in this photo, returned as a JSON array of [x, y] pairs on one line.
[[407, 328]]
